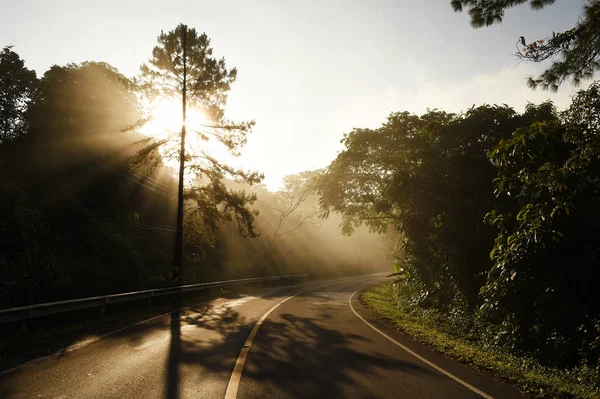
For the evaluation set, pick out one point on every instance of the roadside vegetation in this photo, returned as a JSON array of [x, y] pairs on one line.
[[497, 218], [465, 339], [496, 214], [491, 214], [88, 197]]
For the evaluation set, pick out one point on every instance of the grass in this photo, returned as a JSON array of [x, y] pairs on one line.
[[527, 374]]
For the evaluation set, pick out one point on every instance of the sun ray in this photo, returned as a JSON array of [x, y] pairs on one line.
[[165, 121]]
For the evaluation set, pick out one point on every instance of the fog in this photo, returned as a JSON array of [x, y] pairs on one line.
[[317, 247]]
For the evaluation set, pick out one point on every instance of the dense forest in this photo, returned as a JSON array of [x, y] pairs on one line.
[[88, 204], [496, 210], [491, 214], [498, 216]]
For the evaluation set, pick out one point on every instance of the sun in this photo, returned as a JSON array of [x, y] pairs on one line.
[[165, 117], [164, 123]]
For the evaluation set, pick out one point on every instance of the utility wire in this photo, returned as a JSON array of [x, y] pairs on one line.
[[128, 224], [155, 188], [127, 236], [141, 222], [150, 180]]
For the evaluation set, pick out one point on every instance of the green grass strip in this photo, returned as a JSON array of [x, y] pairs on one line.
[[528, 375]]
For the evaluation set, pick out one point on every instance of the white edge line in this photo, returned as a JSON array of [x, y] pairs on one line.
[[421, 358]]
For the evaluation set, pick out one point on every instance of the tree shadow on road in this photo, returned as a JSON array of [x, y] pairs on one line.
[[299, 356], [193, 353], [204, 344], [201, 339]]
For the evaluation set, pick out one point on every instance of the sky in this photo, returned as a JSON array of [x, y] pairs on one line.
[[308, 71]]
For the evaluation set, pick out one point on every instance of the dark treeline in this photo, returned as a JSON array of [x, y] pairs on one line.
[[87, 207], [498, 215]]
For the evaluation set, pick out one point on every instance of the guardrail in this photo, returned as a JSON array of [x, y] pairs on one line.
[[45, 309]]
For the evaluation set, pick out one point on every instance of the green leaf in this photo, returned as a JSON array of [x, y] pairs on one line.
[[544, 167]]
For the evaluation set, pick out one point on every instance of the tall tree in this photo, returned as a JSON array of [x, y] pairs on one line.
[[17, 88], [575, 53], [182, 64]]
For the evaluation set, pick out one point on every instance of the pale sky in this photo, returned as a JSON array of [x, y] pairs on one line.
[[308, 71]]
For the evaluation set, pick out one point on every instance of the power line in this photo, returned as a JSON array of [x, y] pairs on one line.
[[154, 188], [128, 236], [150, 180], [129, 224], [141, 222]]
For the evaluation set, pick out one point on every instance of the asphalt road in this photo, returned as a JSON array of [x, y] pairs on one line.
[[310, 345]]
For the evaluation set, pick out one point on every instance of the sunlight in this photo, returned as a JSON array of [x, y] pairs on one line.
[[166, 118], [165, 123]]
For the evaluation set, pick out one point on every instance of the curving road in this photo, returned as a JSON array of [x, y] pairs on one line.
[[312, 340]]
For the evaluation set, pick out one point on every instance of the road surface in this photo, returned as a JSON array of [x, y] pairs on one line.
[[314, 343]]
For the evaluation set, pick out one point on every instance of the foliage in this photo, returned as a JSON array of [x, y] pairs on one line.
[[68, 207], [519, 188], [465, 339], [291, 204], [87, 205], [429, 177], [17, 89], [577, 48], [544, 277], [487, 13], [207, 82], [208, 79]]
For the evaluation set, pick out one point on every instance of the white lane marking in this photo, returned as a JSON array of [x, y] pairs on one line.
[[421, 358], [236, 375]]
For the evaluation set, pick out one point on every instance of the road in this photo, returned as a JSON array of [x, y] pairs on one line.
[[311, 344]]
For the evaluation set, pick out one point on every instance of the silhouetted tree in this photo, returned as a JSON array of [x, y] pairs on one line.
[[544, 282], [17, 88], [67, 191], [429, 177], [578, 49], [182, 64]]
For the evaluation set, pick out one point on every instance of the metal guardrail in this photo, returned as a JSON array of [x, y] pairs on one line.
[[45, 309]]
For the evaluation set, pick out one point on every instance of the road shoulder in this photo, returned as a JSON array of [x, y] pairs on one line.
[[386, 323]]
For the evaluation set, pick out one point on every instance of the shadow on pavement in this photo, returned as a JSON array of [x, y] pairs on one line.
[[312, 357]]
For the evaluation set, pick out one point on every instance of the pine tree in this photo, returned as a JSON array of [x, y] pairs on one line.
[[183, 64]]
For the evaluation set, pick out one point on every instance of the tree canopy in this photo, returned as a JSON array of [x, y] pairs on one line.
[[496, 214], [207, 83], [291, 204], [17, 89], [574, 53], [87, 198]]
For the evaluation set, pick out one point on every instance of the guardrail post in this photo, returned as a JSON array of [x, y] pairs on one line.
[[103, 308]]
